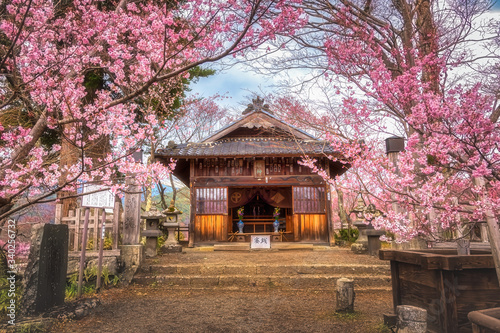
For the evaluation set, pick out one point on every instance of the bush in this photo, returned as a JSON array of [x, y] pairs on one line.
[[349, 235], [89, 282]]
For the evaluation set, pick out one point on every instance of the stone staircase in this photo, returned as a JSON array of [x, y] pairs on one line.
[[290, 270]]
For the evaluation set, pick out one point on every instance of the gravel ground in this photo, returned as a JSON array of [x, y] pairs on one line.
[[157, 308]]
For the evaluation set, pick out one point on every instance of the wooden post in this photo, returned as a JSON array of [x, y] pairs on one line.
[[58, 216], [396, 288], [493, 233], [331, 229], [78, 216], [82, 254], [116, 222], [296, 227], [101, 247], [95, 229], [192, 200]]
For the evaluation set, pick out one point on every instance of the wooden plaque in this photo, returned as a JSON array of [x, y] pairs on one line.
[[259, 169]]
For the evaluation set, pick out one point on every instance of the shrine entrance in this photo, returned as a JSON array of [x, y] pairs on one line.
[[259, 204]]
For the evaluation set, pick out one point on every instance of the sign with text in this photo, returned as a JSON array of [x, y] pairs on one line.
[[102, 199], [260, 242]]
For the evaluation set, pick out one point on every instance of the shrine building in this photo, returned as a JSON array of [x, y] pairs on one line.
[[254, 163]]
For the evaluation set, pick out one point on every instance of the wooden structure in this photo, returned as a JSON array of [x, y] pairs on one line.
[[75, 219], [255, 163], [447, 285]]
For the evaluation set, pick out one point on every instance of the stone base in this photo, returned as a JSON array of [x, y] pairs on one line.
[[131, 257], [109, 261], [173, 248], [150, 249], [359, 248]]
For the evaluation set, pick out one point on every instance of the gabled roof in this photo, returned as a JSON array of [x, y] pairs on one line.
[[259, 119], [257, 134], [248, 147]]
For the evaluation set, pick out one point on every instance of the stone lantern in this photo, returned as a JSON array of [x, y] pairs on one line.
[[171, 223], [368, 239], [361, 244], [153, 219]]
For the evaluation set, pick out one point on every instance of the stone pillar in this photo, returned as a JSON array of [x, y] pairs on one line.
[[463, 247], [411, 319], [132, 209], [345, 295], [131, 257], [45, 276]]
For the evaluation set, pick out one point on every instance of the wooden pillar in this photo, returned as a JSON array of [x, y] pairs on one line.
[[192, 200], [95, 218], [58, 216], [78, 216], [116, 222], [296, 227], [396, 288], [329, 220], [448, 312]]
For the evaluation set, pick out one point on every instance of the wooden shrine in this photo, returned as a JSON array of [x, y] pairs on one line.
[[255, 163]]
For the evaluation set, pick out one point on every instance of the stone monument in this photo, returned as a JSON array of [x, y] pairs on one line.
[[45, 276]]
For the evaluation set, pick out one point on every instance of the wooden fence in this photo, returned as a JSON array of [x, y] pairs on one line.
[[75, 220]]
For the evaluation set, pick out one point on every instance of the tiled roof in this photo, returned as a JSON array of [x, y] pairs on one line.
[[248, 147]]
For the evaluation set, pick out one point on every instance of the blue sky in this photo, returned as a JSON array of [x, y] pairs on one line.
[[238, 84], [234, 83]]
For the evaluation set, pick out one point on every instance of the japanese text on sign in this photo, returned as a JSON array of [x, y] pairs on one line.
[[260, 242]]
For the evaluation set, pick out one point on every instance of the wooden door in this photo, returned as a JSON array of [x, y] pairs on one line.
[[310, 227], [210, 228]]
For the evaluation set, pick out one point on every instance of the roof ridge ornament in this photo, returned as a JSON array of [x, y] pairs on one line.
[[257, 105]]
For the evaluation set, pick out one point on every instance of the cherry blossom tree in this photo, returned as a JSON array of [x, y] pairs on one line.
[[195, 119], [48, 50], [417, 68]]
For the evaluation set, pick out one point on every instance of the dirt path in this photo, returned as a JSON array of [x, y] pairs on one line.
[[150, 309], [158, 308]]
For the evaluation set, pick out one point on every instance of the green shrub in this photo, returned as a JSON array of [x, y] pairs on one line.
[[349, 235], [89, 281]]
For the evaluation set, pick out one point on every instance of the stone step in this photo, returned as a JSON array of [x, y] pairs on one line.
[[265, 270], [308, 281], [274, 247]]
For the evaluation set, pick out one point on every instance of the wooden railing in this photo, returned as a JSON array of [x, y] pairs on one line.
[[75, 220]]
